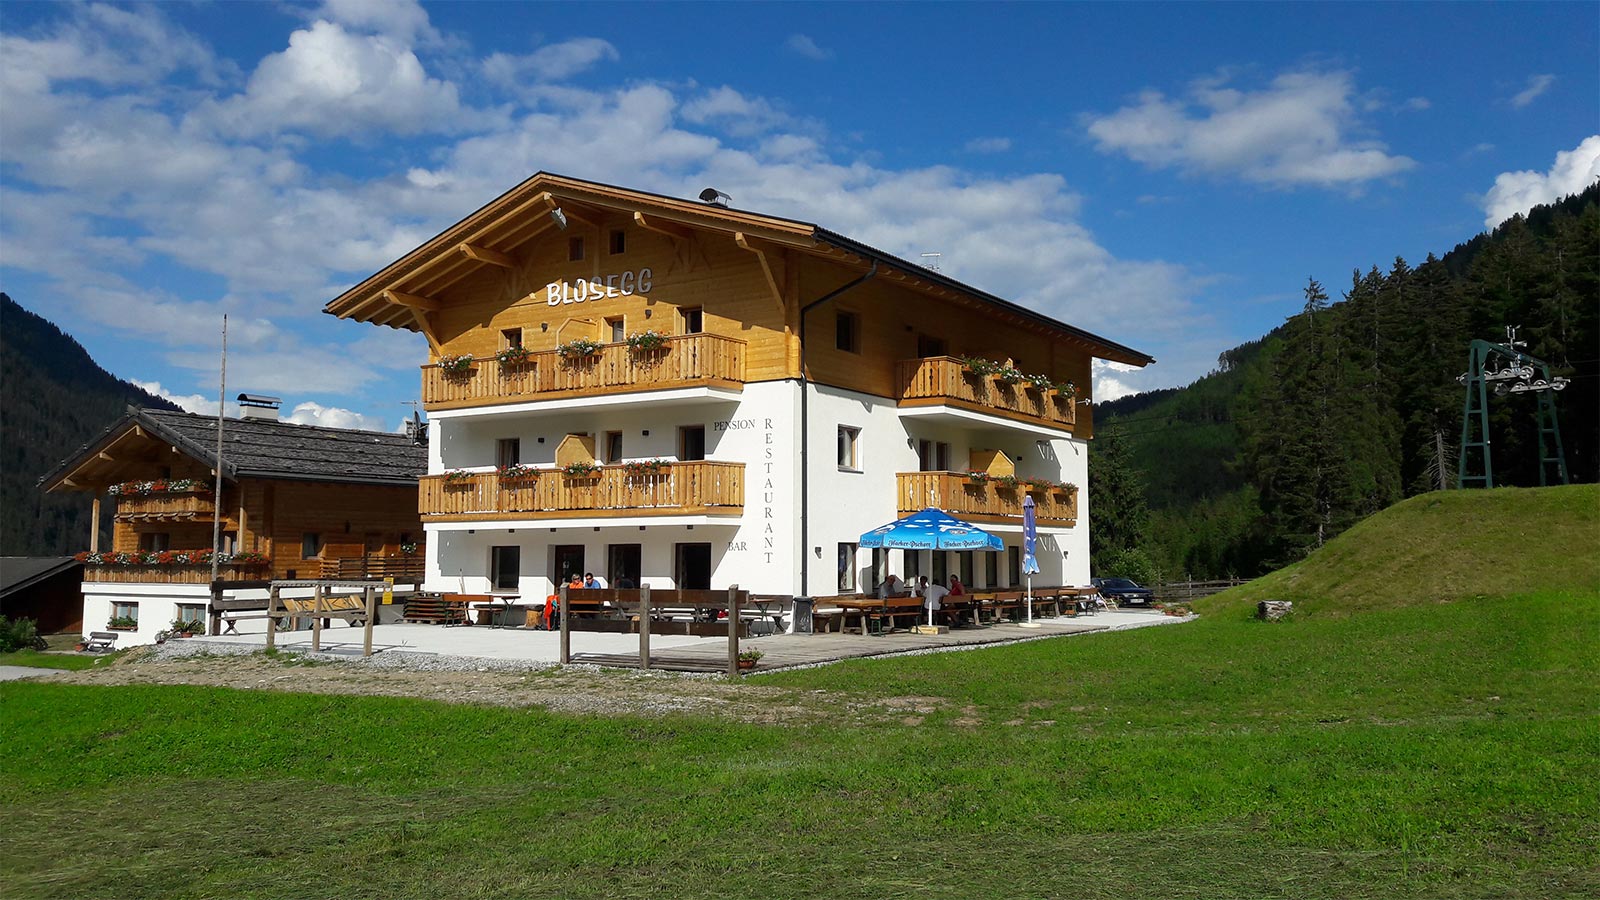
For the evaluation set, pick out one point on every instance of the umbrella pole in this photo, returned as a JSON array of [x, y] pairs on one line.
[[1030, 599]]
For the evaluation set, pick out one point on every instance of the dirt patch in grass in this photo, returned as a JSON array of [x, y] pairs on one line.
[[574, 689]]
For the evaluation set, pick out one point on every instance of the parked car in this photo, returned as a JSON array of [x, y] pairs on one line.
[[1124, 591]]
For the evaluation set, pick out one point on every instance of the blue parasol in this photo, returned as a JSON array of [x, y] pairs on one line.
[[931, 529]]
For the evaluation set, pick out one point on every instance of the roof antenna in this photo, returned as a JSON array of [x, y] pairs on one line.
[[931, 261]]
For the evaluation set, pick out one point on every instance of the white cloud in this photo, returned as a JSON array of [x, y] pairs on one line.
[[805, 46], [1537, 84], [733, 111], [988, 145], [198, 404], [1299, 130], [403, 20], [331, 83], [1518, 192], [309, 413], [1417, 104], [552, 62]]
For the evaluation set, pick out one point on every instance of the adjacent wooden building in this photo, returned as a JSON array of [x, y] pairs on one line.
[[297, 501]]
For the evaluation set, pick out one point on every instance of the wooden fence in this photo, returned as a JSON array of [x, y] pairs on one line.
[[1184, 591]]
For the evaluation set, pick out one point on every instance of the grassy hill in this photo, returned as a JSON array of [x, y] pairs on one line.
[[1441, 547]]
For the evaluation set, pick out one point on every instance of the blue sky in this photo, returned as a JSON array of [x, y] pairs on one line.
[[1166, 175]]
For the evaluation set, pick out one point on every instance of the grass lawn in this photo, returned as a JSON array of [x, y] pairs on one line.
[[40, 660], [1434, 750]]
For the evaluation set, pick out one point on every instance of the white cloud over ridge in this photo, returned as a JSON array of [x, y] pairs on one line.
[[1518, 192], [805, 46], [221, 181], [1301, 129]]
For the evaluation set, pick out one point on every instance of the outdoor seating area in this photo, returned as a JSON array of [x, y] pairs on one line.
[[864, 614]]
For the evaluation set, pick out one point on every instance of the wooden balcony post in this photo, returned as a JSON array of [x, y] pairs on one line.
[[372, 613], [272, 616], [94, 525], [733, 632], [644, 626], [316, 619], [566, 635]]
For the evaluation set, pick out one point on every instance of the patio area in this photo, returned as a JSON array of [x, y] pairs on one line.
[[671, 652]]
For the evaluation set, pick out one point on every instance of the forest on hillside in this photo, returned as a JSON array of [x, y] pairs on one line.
[[53, 400], [1352, 405]]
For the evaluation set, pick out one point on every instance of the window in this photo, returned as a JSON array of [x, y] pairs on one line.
[[574, 249], [622, 562], [619, 241], [155, 541], [847, 332], [125, 610], [991, 569], [880, 568], [965, 563], [847, 568], [913, 561], [692, 442], [941, 569], [310, 545], [1014, 565], [508, 452], [192, 612], [615, 329], [505, 568], [511, 338], [692, 319], [566, 560], [933, 456], [849, 439], [931, 346], [613, 447], [692, 566]]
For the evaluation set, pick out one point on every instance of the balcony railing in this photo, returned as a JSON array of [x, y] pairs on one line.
[[945, 379], [166, 506], [400, 568], [685, 360], [119, 574], [982, 501], [682, 488]]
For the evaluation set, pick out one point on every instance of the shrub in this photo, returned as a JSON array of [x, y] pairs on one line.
[[15, 634], [1131, 563]]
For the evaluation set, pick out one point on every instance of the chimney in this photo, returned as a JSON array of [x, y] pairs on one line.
[[259, 406]]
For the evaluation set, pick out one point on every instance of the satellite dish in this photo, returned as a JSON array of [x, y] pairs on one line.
[[715, 197]]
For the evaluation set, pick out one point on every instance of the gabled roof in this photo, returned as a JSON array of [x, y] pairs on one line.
[[259, 448], [399, 294], [18, 572]]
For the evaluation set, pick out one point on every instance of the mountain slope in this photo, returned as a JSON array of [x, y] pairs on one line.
[[53, 399]]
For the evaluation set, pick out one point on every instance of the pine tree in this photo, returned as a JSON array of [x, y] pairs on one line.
[[1119, 517]]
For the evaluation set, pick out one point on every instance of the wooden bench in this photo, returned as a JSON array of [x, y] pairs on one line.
[[100, 642], [447, 609]]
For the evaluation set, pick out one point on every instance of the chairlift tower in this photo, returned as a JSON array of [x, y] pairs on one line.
[[1509, 370]]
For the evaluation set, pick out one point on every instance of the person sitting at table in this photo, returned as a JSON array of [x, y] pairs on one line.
[[593, 581], [626, 584], [956, 587], [891, 587], [576, 582]]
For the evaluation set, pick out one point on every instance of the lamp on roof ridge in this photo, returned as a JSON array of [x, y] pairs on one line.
[[559, 217]]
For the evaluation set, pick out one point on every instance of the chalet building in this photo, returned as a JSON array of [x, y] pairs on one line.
[[297, 501], [689, 395]]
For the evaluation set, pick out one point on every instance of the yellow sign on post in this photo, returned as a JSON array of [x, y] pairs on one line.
[[388, 590]]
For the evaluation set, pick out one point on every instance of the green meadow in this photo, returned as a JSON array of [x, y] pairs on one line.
[[1420, 745]]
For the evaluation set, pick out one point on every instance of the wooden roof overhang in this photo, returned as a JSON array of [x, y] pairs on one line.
[[126, 451], [403, 293]]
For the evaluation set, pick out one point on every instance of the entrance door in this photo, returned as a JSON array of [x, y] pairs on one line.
[[566, 560], [692, 570], [622, 561]]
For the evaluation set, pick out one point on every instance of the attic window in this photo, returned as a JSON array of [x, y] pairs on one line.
[[574, 249], [619, 241]]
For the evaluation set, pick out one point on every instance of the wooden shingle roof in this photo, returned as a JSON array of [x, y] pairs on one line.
[[256, 448]]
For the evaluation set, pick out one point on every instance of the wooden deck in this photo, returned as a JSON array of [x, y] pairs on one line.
[[692, 487], [787, 651], [946, 380], [986, 501]]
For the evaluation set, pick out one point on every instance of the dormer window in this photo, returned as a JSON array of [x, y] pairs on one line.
[[574, 249], [619, 241]]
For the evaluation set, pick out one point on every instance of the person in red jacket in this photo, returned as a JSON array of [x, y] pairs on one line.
[[956, 587]]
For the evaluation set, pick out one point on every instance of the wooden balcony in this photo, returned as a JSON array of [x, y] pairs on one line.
[[685, 488], [945, 380], [401, 568], [166, 506], [983, 501], [686, 360], [173, 574]]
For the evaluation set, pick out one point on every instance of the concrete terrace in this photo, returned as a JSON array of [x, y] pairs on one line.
[[674, 652]]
